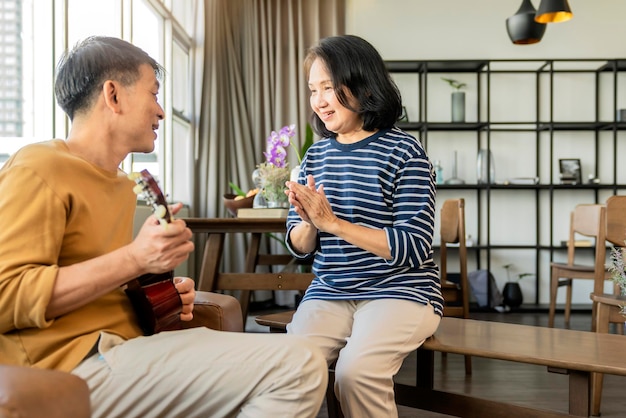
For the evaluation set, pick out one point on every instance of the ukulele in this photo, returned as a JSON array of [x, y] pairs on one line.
[[154, 297]]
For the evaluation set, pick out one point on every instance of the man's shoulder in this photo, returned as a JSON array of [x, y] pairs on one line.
[[39, 156], [38, 151]]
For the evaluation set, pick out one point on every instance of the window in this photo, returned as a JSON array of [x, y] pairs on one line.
[[34, 34], [147, 34]]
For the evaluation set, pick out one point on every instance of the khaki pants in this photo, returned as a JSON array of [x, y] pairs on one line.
[[369, 340], [205, 373]]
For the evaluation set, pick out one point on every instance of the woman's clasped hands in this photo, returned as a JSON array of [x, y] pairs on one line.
[[311, 204]]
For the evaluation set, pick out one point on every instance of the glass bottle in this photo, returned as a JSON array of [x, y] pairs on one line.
[[438, 172], [259, 199]]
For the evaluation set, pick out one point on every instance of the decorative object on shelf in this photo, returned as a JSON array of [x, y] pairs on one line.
[[458, 99], [553, 11], [512, 291], [570, 171], [485, 167], [454, 179], [522, 181], [592, 179], [512, 294], [438, 172], [522, 27], [621, 115]]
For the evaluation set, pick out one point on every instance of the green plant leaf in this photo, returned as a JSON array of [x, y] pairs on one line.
[[280, 240], [236, 189], [454, 83], [308, 141]]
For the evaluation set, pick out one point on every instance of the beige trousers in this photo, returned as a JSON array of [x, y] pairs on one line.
[[205, 373], [369, 340]]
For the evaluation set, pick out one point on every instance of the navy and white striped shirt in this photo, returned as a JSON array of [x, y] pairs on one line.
[[385, 182]]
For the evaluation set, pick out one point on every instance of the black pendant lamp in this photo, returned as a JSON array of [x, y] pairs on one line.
[[553, 11], [522, 27]]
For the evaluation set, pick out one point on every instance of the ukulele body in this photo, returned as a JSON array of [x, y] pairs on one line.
[[156, 302]]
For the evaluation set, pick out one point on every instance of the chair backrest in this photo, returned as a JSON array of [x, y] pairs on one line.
[[452, 231], [589, 219], [616, 220], [586, 219]]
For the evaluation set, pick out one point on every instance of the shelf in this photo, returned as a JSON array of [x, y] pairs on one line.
[[534, 66], [570, 126], [453, 66], [441, 126], [512, 126], [543, 90], [618, 64], [498, 186]]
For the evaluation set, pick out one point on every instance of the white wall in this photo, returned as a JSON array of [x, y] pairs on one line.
[[456, 29], [462, 29]]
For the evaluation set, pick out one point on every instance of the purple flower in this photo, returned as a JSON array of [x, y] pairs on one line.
[[276, 144]]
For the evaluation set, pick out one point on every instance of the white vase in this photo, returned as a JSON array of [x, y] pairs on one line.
[[458, 106], [295, 172], [485, 173]]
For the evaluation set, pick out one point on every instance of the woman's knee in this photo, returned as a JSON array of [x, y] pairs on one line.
[[351, 372]]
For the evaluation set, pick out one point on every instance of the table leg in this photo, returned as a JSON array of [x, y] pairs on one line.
[[597, 379], [211, 261], [579, 393], [251, 262]]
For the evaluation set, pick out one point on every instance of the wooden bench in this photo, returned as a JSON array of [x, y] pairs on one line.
[[576, 353]]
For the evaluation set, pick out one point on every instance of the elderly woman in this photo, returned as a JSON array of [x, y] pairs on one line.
[[363, 207]]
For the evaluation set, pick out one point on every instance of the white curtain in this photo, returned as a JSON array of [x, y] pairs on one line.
[[253, 82]]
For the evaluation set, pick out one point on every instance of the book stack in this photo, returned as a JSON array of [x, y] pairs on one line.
[[262, 213], [523, 180]]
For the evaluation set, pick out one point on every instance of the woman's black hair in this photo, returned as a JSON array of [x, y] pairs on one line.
[[357, 70], [82, 71]]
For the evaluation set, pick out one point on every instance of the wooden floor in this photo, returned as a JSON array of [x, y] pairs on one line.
[[507, 381]]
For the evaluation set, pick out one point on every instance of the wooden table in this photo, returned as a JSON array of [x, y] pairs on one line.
[[212, 279], [608, 311]]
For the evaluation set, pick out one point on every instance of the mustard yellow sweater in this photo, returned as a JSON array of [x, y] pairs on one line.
[[56, 210]]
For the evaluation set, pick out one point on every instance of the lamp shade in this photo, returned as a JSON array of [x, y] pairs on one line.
[[552, 11], [522, 27]]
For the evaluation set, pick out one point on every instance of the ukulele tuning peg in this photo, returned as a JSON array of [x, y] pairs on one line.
[[160, 211], [134, 176]]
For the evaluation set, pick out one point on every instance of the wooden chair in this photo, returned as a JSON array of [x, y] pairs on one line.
[[452, 231], [587, 220], [608, 307]]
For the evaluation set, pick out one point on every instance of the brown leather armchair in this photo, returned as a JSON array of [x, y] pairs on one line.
[[31, 393]]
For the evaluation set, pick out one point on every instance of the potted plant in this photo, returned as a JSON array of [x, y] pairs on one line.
[[617, 268], [512, 292], [458, 99]]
